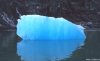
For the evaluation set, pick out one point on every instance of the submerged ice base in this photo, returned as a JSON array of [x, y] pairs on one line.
[[47, 38]]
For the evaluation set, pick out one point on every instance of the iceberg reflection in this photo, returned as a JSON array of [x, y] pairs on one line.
[[47, 50]]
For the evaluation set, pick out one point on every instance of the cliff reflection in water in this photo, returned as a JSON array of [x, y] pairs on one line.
[[8, 41]]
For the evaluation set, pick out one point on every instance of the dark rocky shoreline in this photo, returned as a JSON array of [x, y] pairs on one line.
[[85, 11]]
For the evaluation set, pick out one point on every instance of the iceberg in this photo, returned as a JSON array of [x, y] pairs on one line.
[[47, 38]]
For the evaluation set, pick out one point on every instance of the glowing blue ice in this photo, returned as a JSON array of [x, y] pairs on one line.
[[47, 38]]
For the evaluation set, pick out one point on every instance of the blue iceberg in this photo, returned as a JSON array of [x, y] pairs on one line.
[[48, 38]]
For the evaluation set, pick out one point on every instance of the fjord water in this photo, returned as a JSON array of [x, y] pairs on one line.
[[91, 49], [8, 43]]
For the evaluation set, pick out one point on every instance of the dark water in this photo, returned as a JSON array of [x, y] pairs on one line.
[[91, 49], [8, 40]]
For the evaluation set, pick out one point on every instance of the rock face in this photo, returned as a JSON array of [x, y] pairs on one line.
[[74, 10]]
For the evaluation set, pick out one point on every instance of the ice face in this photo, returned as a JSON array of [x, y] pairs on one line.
[[41, 27], [47, 38]]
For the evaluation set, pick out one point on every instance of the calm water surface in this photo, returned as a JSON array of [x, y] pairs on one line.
[[91, 49]]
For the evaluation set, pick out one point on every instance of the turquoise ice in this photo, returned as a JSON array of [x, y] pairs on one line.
[[47, 38]]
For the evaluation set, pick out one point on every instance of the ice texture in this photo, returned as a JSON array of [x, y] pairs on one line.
[[47, 38]]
